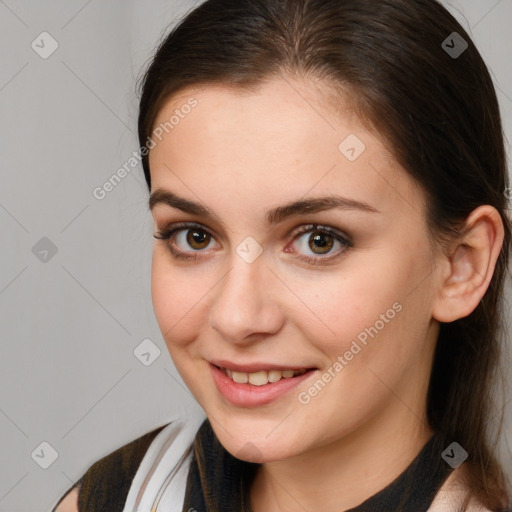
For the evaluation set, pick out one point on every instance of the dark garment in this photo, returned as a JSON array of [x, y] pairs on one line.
[[105, 485], [218, 481]]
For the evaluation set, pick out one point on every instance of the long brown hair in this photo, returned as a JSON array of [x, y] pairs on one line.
[[438, 113]]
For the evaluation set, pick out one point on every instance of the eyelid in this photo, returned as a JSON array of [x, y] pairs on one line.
[[306, 228], [179, 226]]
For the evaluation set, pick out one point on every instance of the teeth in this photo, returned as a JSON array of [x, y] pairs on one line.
[[274, 375], [261, 378], [258, 378], [241, 378]]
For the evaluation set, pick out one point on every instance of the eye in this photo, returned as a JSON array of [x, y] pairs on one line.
[[320, 241], [184, 234]]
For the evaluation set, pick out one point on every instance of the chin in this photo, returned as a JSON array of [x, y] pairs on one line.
[[254, 448]]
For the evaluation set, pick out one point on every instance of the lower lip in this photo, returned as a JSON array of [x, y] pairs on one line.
[[248, 395]]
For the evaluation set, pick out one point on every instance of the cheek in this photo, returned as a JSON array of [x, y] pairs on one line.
[[372, 330], [178, 298], [340, 307], [375, 304]]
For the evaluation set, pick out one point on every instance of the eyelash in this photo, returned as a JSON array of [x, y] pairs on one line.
[[167, 234]]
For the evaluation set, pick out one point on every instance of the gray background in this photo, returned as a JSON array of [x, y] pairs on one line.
[[70, 321]]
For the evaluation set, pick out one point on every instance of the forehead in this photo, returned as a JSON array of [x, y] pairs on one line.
[[279, 103], [283, 139]]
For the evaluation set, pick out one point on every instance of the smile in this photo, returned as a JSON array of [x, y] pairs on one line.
[[258, 388], [262, 377]]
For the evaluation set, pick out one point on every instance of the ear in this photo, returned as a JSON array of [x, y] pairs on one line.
[[468, 267]]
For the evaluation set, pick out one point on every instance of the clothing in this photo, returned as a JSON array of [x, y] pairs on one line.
[[218, 481], [129, 479], [179, 467]]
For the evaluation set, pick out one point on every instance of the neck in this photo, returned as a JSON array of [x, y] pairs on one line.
[[342, 474]]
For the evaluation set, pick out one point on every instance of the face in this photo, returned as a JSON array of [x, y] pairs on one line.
[[257, 280]]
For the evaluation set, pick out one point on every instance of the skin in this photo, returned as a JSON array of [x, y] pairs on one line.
[[242, 154]]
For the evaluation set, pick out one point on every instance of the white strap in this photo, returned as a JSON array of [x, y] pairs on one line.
[[162, 474]]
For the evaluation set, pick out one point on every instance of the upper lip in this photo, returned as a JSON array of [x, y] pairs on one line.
[[255, 367]]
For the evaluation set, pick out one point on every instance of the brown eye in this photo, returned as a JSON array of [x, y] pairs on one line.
[[320, 242], [197, 238], [317, 244], [186, 241]]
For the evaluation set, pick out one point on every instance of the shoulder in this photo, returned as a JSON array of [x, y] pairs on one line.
[[452, 494], [105, 485], [69, 502]]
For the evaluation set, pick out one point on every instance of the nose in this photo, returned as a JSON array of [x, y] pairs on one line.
[[246, 306]]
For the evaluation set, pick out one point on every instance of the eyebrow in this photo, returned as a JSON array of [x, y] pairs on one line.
[[274, 215]]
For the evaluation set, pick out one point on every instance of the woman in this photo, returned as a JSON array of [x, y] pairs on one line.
[[328, 186]]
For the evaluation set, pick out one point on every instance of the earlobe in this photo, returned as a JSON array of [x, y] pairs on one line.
[[471, 262]]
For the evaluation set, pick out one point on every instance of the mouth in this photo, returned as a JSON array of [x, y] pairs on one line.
[[257, 388]]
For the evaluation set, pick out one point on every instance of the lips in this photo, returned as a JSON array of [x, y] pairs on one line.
[[255, 395]]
